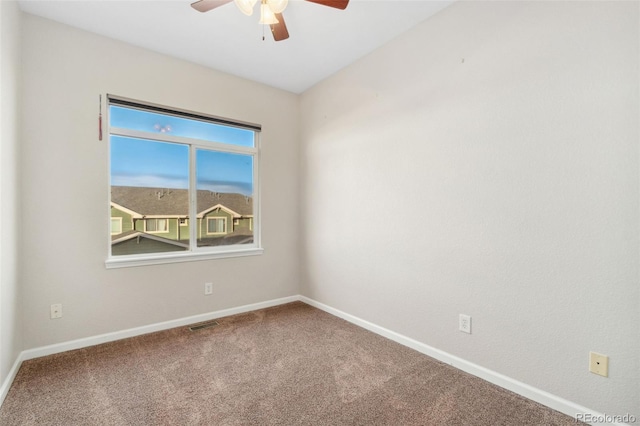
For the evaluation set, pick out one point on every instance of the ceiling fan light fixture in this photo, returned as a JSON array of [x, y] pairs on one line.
[[246, 6], [270, 11], [267, 17], [277, 6]]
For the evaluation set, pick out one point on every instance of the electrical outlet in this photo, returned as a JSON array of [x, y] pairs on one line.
[[208, 289], [464, 323], [56, 310], [599, 364]]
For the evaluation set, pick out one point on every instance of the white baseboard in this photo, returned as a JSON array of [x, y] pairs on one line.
[[6, 385], [137, 331], [545, 398], [552, 401]]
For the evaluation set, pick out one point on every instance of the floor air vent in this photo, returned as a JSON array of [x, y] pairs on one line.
[[203, 325]]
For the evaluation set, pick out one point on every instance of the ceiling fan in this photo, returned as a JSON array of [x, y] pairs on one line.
[[270, 11]]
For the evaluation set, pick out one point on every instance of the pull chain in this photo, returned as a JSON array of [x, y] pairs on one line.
[[100, 118]]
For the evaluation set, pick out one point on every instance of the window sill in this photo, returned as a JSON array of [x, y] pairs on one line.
[[162, 259]]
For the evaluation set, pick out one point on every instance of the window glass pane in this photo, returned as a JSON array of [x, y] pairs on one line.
[[163, 123], [149, 178], [224, 183], [215, 225]]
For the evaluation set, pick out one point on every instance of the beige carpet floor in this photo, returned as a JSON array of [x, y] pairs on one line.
[[288, 365]]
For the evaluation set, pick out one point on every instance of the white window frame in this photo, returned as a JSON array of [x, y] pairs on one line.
[[186, 221], [194, 253]]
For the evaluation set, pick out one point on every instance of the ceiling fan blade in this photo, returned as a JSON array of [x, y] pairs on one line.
[[338, 4], [279, 30], [207, 5]]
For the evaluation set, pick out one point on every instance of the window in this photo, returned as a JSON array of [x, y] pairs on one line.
[[216, 225], [156, 225], [116, 225], [177, 178]]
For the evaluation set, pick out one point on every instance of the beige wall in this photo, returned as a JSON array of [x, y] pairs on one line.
[[10, 302], [64, 176], [502, 140]]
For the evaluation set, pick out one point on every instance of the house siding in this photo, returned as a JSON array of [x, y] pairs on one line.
[[127, 222], [245, 225]]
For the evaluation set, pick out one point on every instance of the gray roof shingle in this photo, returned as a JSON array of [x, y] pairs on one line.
[[175, 202]]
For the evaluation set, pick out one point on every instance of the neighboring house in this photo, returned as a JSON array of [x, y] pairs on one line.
[[142, 213]]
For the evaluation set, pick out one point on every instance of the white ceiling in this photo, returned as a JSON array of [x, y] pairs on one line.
[[322, 39]]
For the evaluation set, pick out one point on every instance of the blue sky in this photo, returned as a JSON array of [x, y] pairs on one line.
[[140, 162]]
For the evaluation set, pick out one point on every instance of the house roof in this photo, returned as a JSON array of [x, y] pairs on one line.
[[129, 235], [168, 202]]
